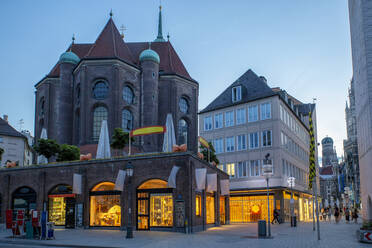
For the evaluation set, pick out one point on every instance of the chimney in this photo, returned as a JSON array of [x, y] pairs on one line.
[[263, 79], [5, 117]]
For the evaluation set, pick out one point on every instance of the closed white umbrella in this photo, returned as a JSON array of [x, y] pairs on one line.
[[42, 159], [169, 135], [103, 149]]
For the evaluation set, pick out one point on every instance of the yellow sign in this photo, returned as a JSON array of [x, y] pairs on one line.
[[148, 130], [203, 142]]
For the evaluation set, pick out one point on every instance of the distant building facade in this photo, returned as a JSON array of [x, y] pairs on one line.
[[360, 12], [351, 148], [246, 122], [328, 185], [15, 145], [129, 84]]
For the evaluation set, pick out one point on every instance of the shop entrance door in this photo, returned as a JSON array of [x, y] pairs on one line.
[[143, 216], [70, 212]]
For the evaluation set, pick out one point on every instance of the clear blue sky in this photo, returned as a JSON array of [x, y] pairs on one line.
[[300, 45]]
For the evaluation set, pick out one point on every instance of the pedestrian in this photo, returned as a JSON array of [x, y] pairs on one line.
[[276, 217], [355, 215], [329, 214], [337, 214], [347, 215], [324, 214]]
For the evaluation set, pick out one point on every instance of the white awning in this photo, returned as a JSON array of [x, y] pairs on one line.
[[77, 188], [211, 182], [172, 183], [120, 180], [200, 176], [225, 186]]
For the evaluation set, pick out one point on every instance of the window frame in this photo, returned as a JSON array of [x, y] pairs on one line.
[[263, 141], [187, 104], [236, 93], [240, 121], [94, 87], [230, 148], [265, 110], [210, 125], [240, 147], [254, 114], [256, 137], [131, 91], [229, 118], [219, 117]]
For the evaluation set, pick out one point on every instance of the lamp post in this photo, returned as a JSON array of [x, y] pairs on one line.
[[129, 172], [267, 170], [291, 183]]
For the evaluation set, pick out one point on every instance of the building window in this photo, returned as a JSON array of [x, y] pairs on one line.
[[230, 169], [229, 119], [253, 140], [127, 120], [218, 120], [242, 169], [253, 113], [240, 116], [105, 208], [230, 144], [128, 95], [198, 205], [207, 123], [42, 107], [218, 145], [182, 132], [266, 138], [100, 90], [255, 168], [265, 111], [242, 144], [183, 105], [236, 94], [99, 114]]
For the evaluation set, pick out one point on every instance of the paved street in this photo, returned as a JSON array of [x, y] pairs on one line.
[[341, 235]]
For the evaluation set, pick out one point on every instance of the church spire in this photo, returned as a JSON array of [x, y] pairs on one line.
[[160, 29]]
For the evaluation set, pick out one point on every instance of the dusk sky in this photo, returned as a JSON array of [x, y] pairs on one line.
[[299, 45]]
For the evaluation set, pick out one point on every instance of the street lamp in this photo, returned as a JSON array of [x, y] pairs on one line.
[[267, 170], [129, 172], [291, 183]]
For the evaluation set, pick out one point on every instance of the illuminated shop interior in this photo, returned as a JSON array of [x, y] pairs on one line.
[[105, 209], [222, 210], [57, 204], [210, 207], [250, 208], [154, 205], [198, 205]]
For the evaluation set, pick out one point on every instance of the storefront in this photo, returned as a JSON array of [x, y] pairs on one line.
[[303, 206], [61, 206], [245, 208], [105, 208], [210, 207], [154, 205], [222, 210], [24, 198]]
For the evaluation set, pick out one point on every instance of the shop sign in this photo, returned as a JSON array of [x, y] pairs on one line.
[[61, 195]]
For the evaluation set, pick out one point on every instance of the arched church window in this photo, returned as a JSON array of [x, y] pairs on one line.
[[128, 95], [127, 120], [182, 132], [100, 90], [78, 94], [183, 105], [99, 114], [42, 107]]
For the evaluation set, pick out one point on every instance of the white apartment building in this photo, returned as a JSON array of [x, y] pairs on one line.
[[248, 121]]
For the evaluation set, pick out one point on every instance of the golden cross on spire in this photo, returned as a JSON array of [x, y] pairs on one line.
[[122, 29], [73, 38]]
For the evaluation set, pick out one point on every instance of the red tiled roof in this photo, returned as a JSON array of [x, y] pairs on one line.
[[110, 44], [169, 60], [326, 171]]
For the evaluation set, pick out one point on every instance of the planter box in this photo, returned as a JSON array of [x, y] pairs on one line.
[[364, 236]]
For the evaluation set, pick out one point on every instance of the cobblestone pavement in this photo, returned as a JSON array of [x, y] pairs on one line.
[[244, 235]]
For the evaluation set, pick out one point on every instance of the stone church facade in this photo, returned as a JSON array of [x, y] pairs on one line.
[[130, 84]]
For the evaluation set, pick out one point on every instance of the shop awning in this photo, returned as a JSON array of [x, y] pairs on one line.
[[200, 176], [211, 182], [172, 177], [76, 187], [120, 180], [225, 186]]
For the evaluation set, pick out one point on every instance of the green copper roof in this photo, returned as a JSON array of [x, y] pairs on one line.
[[69, 57], [149, 54]]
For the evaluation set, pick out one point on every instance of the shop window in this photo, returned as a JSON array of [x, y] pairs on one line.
[[24, 198], [198, 205], [222, 210], [161, 211], [57, 204], [210, 207], [245, 209], [105, 208]]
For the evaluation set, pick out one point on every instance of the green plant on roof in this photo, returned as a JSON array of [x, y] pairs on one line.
[[212, 153], [46, 147], [68, 153], [120, 139]]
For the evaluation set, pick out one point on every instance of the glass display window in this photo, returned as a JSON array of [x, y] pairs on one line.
[[198, 205], [210, 207], [161, 210], [222, 210], [250, 208], [57, 210], [105, 208]]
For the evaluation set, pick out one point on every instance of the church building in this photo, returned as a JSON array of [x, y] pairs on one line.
[[129, 84]]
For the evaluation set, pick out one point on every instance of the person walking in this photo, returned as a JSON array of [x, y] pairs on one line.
[[276, 217], [355, 215], [347, 215], [337, 214]]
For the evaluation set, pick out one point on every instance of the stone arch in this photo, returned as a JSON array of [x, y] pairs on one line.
[[24, 198], [154, 183]]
